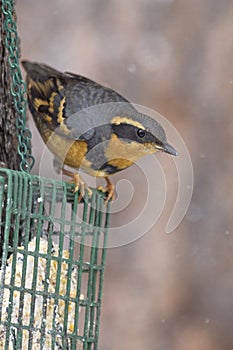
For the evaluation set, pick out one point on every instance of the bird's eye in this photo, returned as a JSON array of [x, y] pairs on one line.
[[141, 133]]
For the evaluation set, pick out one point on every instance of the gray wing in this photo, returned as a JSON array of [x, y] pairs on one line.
[[82, 103], [90, 105]]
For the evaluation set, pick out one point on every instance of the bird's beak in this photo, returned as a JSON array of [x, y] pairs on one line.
[[168, 149]]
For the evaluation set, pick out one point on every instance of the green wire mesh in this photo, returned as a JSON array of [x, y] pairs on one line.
[[53, 247], [50, 299]]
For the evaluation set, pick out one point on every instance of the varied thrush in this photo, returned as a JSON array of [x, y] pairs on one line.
[[89, 126]]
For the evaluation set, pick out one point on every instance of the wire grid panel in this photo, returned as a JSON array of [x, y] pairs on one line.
[[51, 284]]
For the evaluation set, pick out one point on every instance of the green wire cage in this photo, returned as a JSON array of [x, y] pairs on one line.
[[53, 248]]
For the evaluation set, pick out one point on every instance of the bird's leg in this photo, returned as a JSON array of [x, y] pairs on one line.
[[109, 190], [80, 185]]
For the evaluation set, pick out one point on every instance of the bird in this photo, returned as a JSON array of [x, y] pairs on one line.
[[88, 126]]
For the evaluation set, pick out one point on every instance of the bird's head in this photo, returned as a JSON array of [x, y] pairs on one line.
[[142, 133]]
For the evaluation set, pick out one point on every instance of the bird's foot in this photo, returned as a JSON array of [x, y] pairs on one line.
[[109, 190], [80, 185]]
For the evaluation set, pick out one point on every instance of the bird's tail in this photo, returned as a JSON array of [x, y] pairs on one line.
[[39, 71]]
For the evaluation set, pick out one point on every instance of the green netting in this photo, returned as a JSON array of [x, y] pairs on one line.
[[53, 247], [50, 299]]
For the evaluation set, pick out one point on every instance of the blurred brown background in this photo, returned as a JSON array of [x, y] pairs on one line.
[[175, 56]]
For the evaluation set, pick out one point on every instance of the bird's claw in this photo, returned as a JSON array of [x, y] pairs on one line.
[[109, 190], [80, 185]]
